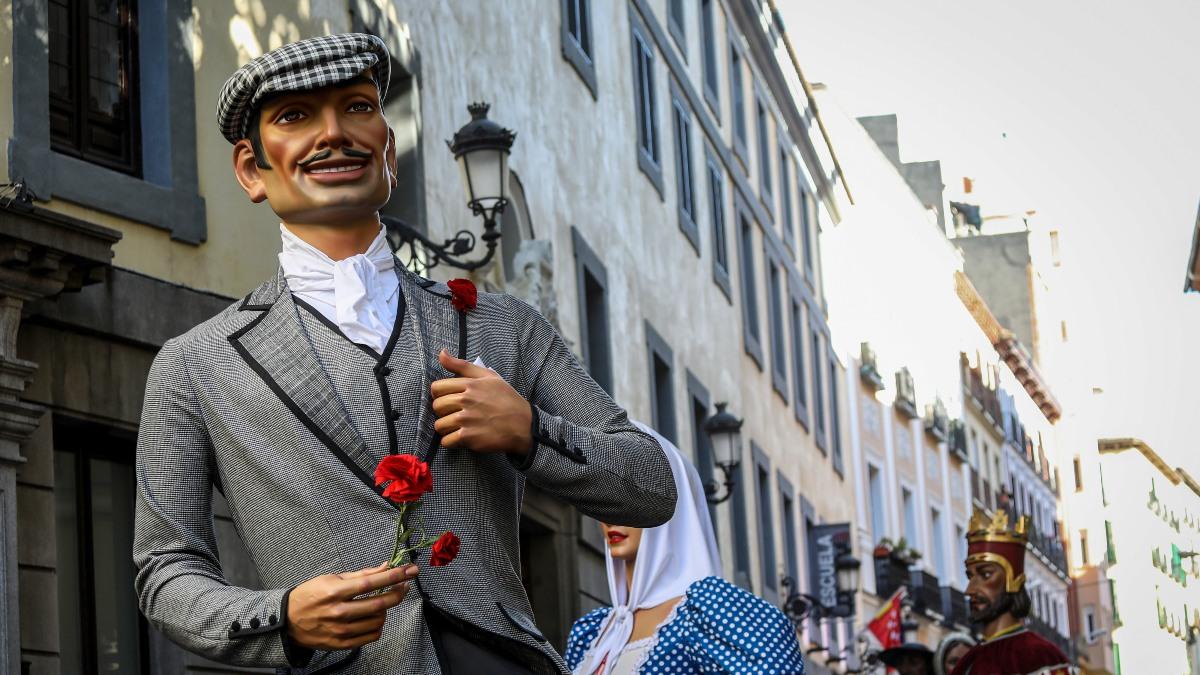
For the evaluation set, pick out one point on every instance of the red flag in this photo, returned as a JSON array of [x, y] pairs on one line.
[[886, 624]]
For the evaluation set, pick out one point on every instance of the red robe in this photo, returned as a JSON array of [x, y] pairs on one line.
[[1021, 652]]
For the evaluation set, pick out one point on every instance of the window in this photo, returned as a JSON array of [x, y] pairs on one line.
[[645, 103], [751, 332], [662, 387], [684, 188], [101, 629], [778, 351], [708, 19], [960, 543], [592, 283], [1078, 466], [766, 523], [577, 40], [93, 83], [1089, 622], [911, 535], [787, 507], [875, 491], [764, 153], [818, 387], [741, 530], [806, 233], [800, 383], [1084, 556], [835, 427], [705, 464], [676, 24], [939, 544], [737, 102], [716, 207], [785, 196]]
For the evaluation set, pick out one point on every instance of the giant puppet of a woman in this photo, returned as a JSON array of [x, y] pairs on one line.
[[672, 612]]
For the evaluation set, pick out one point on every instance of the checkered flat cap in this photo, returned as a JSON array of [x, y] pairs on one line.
[[307, 64]]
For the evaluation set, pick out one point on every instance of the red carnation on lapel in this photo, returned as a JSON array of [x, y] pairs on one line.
[[409, 476], [444, 550], [462, 294]]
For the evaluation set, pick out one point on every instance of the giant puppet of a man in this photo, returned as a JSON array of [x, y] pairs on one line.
[[999, 604], [287, 400]]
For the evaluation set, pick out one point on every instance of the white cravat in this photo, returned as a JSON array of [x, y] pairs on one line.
[[359, 294]]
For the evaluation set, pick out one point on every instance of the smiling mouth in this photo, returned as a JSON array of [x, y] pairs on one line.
[[336, 169], [616, 538]]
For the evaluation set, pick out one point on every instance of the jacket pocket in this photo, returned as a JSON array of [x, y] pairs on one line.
[[522, 622]]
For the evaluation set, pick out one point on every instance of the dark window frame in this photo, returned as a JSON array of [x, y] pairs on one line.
[[737, 102], [765, 519], [88, 441], [800, 367], [717, 208], [787, 220], [751, 316], [645, 98], [766, 178], [835, 424], [775, 276], [807, 249], [665, 422], [698, 397], [677, 25], [818, 386], [709, 59], [79, 22], [578, 50], [167, 194], [788, 507], [740, 525], [588, 264], [685, 175]]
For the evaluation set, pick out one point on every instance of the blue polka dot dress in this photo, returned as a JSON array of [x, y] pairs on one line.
[[716, 628]]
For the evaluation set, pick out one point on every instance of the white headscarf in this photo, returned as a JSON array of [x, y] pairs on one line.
[[670, 558], [359, 294]]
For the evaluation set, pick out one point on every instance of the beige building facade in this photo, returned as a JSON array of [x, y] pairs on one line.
[[670, 183]]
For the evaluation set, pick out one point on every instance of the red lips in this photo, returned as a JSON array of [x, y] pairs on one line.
[[615, 538]]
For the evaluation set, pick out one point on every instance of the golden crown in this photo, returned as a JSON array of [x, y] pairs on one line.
[[995, 527]]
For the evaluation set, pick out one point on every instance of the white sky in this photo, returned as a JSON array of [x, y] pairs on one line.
[[1088, 112]]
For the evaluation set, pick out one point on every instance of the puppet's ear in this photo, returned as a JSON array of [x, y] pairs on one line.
[[248, 173]]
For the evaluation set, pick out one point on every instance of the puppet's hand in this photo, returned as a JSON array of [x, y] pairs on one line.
[[479, 410]]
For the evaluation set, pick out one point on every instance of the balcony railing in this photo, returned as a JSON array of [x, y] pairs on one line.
[[890, 574], [926, 594], [954, 609], [958, 439]]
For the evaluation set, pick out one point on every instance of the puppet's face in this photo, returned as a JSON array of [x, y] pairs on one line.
[[330, 152], [985, 590], [954, 655], [623, 542]]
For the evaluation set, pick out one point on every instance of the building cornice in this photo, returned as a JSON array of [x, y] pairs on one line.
[[1008, 347], [1176, 475]]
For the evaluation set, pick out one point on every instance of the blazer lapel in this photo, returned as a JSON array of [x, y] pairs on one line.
[[436, 326], [275, 347]]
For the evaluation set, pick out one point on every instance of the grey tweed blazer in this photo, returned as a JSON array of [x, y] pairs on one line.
[[241, 403]]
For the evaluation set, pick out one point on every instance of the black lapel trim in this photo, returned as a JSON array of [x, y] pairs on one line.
[[462, 335], [384, 394], [334, 327], [247, 307], [316, 430]]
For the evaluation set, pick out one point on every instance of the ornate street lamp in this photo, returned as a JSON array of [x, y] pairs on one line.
[[725, 433], [847, 568], [481, 148]]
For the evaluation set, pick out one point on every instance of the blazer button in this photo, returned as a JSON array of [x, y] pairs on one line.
[[385, 371], [254, 623], [394, 415], [235, 626], [272, 620]]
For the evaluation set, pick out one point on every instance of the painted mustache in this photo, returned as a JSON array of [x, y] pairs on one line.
[[327, 153]]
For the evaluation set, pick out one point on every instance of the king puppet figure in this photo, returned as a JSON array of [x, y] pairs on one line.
[[288, 402], [998, 604]]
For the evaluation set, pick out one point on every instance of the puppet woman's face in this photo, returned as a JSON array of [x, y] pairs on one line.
[[330, 153], [623, 542]]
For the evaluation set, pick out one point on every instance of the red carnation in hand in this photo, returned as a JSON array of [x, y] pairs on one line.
[[409, 478], [462, 294], [444, 550]]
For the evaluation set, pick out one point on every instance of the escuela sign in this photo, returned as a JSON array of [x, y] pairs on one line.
[[825, 544]]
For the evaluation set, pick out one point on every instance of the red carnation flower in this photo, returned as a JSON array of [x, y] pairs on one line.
[[462, 294], [444, 550], [409, 478]]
